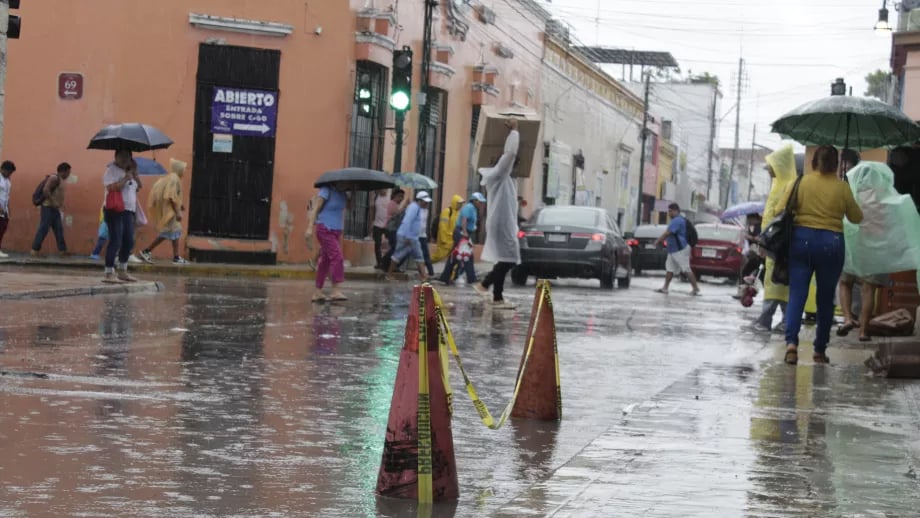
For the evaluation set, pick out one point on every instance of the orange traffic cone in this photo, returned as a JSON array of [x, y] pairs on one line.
[[540, 395], [418, 452]]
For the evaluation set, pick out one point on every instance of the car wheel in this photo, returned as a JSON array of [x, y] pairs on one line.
[[519, 276], [607, 278], [624, 282]]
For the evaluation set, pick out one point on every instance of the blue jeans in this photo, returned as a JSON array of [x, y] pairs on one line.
[[51, 220], [121, 237], [819, 253]]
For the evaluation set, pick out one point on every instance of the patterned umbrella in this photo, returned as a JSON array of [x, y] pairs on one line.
[[415, 181], [849, 122]]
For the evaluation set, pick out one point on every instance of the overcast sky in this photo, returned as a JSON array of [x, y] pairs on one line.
[[794, 49]]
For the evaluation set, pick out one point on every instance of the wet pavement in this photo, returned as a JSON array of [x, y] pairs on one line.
[[239, 398]]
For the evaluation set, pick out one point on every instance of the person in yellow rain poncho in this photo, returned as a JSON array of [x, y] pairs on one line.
[[446, 225], [781, 167], [165, 203]]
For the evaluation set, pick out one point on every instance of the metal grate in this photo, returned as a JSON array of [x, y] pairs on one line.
[[367, 139]]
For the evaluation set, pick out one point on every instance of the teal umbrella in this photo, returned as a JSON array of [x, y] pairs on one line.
[[848, 122]]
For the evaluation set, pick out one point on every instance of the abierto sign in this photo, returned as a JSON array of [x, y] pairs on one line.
[[245, 113]]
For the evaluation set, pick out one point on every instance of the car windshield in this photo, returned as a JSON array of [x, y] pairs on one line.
[[728, 234], [569, 218]]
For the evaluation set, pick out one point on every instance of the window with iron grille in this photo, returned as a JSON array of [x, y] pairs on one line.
[[431, 164], [368, 118]]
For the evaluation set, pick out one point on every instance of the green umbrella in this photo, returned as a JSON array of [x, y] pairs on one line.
[[849, 122]]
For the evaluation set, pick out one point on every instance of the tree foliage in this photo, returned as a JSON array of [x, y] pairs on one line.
[[878, 82]]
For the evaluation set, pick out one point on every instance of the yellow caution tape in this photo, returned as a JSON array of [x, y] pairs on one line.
[[448, 337], [425, 492]]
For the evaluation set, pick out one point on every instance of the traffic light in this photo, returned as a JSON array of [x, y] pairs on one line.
[[15, 22], [401, 94]]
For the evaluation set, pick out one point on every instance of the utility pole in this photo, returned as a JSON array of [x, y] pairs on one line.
[[648, 84], [712, 136], [425, 112], [751, 174], [731, 170]]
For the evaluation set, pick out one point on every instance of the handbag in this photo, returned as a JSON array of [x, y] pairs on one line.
[[775, 239], [114, 201]]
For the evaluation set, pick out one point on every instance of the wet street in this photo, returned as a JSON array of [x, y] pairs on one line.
[[221, 397]]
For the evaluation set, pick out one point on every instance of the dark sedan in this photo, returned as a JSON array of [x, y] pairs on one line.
[[571, 241], [647, 254]]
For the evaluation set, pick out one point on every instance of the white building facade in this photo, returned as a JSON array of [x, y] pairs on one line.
[[591, 128]]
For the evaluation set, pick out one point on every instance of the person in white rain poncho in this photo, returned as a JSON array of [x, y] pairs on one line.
[[887, 241], [501, 219]]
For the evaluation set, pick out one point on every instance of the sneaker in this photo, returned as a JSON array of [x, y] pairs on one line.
[[124, 276], [756, 327], [94, 257], [133, 259], [480, 289], [179, 260], [110, 278], [146, 256], [696, 293], [3, 256], [780, 328], [503, 304], [34, 254]]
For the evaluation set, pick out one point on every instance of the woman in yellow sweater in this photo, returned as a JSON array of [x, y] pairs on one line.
[[817, 248]]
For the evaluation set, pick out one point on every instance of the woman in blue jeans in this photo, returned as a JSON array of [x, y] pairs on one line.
[[817, 248]]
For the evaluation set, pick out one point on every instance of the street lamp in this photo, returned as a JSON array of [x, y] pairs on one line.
[[882, 26], [839, 87]]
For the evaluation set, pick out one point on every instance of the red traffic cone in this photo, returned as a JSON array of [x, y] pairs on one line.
[[418, 452], [540, 394]]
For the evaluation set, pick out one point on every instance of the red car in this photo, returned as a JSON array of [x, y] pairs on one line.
[[719, 251]]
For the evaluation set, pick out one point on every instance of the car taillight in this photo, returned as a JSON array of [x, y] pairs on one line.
[[531, 233], [599, 237], [521, 234], [593, 237], [739, 250], [633, 242]]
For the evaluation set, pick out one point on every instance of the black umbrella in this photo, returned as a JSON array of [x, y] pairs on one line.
[[132, 136], [358, 179]]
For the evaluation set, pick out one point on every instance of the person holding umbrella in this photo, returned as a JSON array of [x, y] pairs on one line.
[[327, 221], [121, 184]]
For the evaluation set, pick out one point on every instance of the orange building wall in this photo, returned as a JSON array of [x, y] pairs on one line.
[[139, 61]]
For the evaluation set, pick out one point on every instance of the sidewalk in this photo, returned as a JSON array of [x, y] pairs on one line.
[[750, 440], [281, 271], [27, 285]]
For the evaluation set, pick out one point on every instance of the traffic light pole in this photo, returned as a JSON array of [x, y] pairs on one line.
[[400, 126]]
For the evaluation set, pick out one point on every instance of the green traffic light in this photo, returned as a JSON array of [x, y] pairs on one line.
[[399, 101]]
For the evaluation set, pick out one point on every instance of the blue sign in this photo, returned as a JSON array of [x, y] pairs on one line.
[[246, 113]]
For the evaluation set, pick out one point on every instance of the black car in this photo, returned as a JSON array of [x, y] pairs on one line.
[[646, 253], [572, 241]]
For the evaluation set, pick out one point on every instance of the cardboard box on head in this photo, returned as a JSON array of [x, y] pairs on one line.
[[491, 133]]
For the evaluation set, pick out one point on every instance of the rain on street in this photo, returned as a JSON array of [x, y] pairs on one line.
[[238, 398]]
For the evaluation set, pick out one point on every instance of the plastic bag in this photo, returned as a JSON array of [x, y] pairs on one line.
[[888, 239]]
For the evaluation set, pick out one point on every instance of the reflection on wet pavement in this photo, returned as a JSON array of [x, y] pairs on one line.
[[222, 398]]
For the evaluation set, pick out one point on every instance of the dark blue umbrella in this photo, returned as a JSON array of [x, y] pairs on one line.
[[357, 178], [148, 167], [132, 136]]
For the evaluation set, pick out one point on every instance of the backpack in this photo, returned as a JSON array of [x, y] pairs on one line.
[[38, 197], [692, 237]]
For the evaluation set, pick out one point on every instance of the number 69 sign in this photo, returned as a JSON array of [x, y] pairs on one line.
[[70, 86]]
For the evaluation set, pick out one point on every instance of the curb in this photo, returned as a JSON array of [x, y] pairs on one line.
[[204, 270], [91, 291]]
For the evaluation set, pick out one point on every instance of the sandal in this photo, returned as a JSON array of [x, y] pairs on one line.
[[821, 358], [792, 355], [320, 299], [662, 291], [846, 328]]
